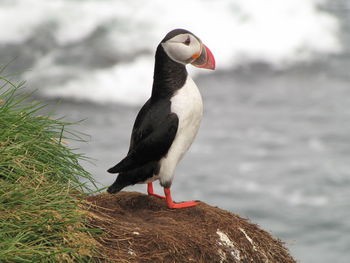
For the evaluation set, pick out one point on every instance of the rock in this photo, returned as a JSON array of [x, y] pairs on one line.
[[140, 228]]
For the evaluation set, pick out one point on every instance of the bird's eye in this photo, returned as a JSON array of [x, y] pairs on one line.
[[187, 41]]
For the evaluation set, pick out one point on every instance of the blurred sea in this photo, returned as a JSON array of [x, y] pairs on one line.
[[274, 144]]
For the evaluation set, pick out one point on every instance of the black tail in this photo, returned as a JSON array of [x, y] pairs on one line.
[[113, 170], [115, 187], [132, 177], [124, 165]]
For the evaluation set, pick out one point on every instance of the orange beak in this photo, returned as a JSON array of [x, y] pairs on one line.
[[205, 59]]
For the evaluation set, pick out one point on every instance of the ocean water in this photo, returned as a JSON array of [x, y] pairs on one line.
[[274, 144]]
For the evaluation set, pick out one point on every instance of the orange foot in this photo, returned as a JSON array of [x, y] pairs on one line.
[[171, 204], [151, 192]]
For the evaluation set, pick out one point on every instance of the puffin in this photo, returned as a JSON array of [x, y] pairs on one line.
[[168, 122]]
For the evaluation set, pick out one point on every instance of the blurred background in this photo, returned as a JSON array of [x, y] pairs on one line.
[[274, 141]]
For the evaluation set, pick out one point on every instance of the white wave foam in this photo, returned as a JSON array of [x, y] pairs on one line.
[[128, 83], [277, 32]]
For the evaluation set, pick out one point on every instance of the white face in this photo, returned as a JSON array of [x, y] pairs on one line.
[[183, 48]]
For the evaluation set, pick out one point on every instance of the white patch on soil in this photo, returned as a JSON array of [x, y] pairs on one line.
[[248, 238], [222, 256], [226, 242], [131, 252], [254, 247]]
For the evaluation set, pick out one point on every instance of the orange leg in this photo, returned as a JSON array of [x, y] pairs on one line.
[[151, 192], [171, 204]]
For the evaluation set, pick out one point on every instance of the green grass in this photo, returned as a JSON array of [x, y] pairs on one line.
[[41, 214]]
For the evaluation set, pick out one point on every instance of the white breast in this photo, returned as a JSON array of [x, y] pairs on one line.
[[188, 106]]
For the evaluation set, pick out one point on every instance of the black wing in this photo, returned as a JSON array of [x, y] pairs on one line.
[[153, 133]]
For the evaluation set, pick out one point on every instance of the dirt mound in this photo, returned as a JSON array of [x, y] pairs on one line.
[[140, 228]]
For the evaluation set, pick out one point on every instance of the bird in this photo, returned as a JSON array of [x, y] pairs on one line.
[[168, 122]]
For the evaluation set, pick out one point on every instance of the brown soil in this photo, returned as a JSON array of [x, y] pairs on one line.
[[140, 228]]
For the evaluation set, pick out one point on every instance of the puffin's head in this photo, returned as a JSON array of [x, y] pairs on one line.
[[184, 47]]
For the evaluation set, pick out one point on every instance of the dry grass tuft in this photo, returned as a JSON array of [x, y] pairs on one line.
[[140, 228]]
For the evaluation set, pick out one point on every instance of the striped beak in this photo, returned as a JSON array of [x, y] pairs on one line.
[[205, 59]]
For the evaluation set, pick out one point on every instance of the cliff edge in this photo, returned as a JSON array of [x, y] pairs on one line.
[[140, 228]]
